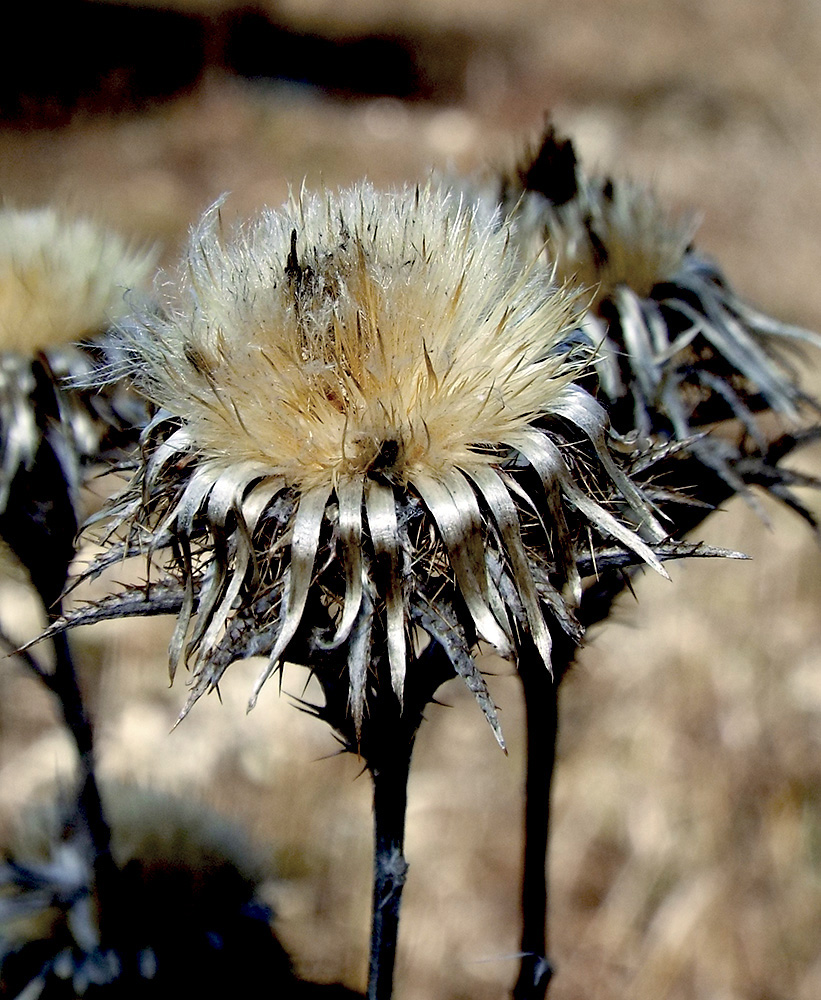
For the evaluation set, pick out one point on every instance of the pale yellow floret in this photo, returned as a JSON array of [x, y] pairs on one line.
[[61, 279], [393, 332], [642, 243]]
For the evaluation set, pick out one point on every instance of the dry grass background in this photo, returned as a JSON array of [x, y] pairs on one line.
[[686, 855]]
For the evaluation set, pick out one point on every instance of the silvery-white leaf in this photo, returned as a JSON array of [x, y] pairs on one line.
[[459, 530], [304, 544], [507, 519], [380, 504], [349, 494]]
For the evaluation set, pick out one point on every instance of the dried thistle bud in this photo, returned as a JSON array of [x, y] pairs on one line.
[[62, 284], [369, 438]]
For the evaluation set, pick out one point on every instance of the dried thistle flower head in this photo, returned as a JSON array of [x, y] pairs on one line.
[[62, 283], [598, 235], [367, 412], [677, 348], [342, 338]]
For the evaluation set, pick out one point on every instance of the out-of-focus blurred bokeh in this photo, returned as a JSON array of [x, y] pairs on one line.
[[686, 852]]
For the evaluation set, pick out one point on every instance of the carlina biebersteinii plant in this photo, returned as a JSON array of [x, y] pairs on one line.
[[676, 352], [62, 283], [369, 455]]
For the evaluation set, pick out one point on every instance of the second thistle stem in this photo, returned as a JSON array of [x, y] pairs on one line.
[[65, 686], [390, 796], [541, 708]]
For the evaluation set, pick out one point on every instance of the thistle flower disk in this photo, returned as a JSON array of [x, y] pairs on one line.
[[379, 332]]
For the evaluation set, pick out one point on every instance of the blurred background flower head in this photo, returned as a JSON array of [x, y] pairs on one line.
[[677, 350], [63, 281], [190, 908]]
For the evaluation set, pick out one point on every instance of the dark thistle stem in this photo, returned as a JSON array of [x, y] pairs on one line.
[[386, 745], [541, 693], [541, 716], [390, 785], [63, 682]]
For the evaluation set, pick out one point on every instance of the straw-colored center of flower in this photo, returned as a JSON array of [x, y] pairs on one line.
[[621, 238], [377, 350]]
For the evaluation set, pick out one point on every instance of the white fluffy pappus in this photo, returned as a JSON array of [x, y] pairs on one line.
[[356, 332]]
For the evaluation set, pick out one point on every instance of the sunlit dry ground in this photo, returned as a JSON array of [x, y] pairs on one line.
[[686, 856]]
